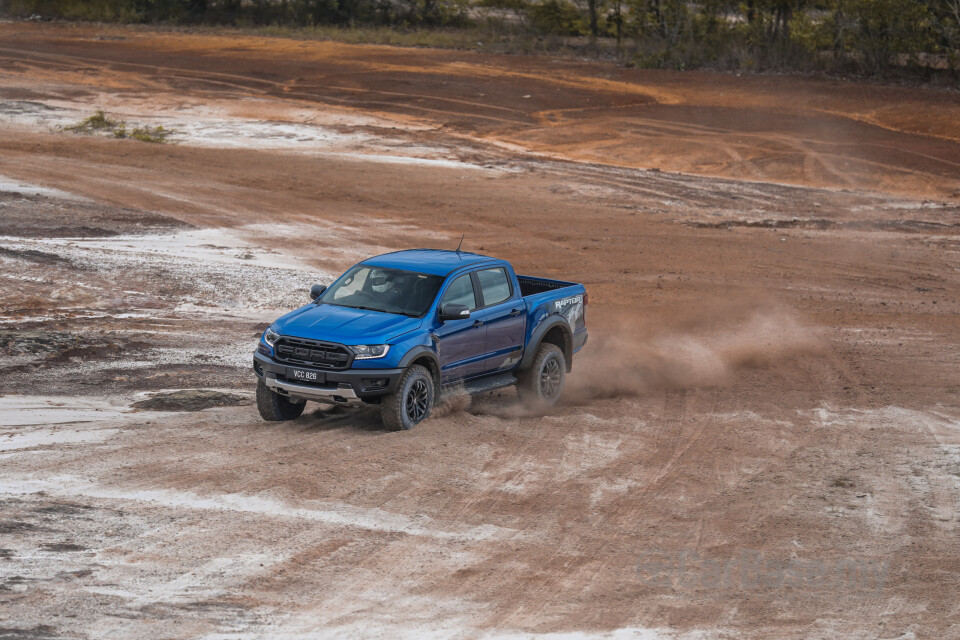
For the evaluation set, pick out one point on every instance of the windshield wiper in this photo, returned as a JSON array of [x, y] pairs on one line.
[[363, 308], [371, 309]]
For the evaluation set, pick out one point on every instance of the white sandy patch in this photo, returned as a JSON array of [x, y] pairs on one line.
[[425, 162], [337, 514], [327, 116], [35, 114], [342, 243], [254, 134], [618, 487], [8, 185], [516, 477], [627, 633], [586, 453], [218, 269], [146, 395], [933, 479], [940, 423], [455, 628], [44, 437], [18, 411], [224, 350], [901, 205], [212, 246], [383, 608], [315, 131], [946, 428], [200, 583], [312, 139]]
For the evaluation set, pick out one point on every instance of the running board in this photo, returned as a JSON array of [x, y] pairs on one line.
[[489, 383]]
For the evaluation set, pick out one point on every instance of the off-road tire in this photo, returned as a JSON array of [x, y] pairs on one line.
[[275, 408], [411, 402], [540, 385]]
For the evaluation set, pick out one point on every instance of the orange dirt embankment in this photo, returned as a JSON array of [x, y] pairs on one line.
[[825, 133]]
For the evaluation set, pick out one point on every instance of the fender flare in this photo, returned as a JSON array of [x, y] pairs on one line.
[[536, 338], [419, 352]]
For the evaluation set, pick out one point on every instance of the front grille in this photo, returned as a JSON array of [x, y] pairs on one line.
[[312, 353]]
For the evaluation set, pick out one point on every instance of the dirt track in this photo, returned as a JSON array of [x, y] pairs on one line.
[[771, 379]]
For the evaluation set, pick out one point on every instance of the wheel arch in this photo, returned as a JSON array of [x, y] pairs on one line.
[[425, 357], [553, 330]]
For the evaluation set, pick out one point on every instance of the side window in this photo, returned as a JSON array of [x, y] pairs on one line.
[[460, 292], [494, 285]]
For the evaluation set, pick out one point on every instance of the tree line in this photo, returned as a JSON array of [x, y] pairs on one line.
[[865, 36]]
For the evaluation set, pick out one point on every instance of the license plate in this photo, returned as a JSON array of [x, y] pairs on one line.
[[303, 375]]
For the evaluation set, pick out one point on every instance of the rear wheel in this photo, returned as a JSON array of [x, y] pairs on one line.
[[542, 384], [410, 404], [274, 407]]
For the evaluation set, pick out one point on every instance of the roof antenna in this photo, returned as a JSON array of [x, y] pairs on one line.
[[460, 243]]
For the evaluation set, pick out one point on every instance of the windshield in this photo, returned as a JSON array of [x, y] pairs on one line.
[[389, 290]]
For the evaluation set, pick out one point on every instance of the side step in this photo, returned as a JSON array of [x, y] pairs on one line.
[[484, 385]]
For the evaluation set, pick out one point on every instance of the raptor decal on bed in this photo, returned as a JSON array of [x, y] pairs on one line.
[[571, 309]]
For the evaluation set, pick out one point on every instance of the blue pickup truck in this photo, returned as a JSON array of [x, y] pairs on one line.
[[398, 329]]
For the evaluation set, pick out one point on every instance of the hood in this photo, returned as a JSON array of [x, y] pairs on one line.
[[345, 325]]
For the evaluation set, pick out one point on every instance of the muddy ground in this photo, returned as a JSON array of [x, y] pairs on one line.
[[760, 440]]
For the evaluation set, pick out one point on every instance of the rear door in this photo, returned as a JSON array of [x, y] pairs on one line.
[[503, 315], [461, 343]]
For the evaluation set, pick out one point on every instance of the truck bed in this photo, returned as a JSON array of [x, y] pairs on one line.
[[545, 298], [531, 286]]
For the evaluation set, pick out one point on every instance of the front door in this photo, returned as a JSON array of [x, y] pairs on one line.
[[461, 342]]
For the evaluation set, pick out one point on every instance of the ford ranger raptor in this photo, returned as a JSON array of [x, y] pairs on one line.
[[399, 329]]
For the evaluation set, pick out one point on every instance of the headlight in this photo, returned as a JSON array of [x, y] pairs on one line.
[[368, 351], [270, 335]]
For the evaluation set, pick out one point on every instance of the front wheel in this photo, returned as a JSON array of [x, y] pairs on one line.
[[410, 404], [275, 408], [542, 384]]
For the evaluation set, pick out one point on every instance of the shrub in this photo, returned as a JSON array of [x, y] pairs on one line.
[[99, 122]]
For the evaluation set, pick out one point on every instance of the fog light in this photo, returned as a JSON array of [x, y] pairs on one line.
[[375, 383]]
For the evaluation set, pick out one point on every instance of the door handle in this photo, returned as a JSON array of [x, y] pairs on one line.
[[478, 323], [515, 312]]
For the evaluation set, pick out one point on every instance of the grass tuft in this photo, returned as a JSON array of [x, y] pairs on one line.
[[99, 122]]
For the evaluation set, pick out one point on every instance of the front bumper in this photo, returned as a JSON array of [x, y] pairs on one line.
[[337, 386], [340, 393]]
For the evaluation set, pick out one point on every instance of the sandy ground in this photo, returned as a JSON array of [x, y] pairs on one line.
[[761, 439]]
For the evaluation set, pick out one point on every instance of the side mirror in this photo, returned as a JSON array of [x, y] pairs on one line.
[[454, 312], [317, 290]]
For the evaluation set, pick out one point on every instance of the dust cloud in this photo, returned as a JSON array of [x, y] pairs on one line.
[[627, 358], [629, 355], [451, 401]]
